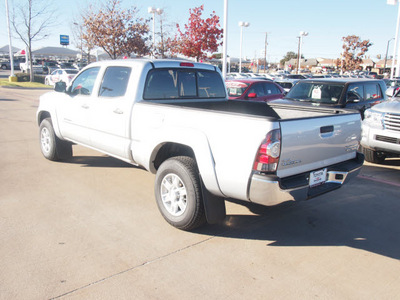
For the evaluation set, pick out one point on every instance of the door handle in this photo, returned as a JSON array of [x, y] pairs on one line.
[[326, 131], [85, 106], [118, 111]]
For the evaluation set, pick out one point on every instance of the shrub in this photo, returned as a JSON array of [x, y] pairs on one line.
[[24, 77]]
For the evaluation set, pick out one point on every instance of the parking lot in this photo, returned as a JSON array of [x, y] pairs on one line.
[[89, 228]]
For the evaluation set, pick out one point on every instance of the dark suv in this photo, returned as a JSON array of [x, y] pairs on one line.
[[356, 93]]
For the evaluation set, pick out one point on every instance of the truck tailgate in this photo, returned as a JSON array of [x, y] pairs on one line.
[[314, 143]]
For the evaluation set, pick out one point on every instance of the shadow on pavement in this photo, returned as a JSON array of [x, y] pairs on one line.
[[98, 162], [354, 216], [364, 222]]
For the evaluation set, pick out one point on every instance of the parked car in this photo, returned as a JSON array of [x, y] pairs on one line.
[[65, 75], [296, 76], [66, 65], [237, 75], [6, 64], [25, 67], [358, 94], [253, 89], [381, 131], [287, 84], [49, 67]]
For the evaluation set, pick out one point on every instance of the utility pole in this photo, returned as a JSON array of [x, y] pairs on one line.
[[265, 52]]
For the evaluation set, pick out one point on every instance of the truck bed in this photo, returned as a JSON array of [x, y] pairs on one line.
[[275, 112]]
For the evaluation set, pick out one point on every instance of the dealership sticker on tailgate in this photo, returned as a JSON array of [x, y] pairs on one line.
[[317, 177]]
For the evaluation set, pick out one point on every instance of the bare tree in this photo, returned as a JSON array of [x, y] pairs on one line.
[[82, 39], [165, 33], [31, 20], [117, 31]]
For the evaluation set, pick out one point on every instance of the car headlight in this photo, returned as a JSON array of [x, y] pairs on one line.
[[374, 118]]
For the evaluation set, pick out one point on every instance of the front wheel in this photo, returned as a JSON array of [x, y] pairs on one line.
[[52, 147], [178, 193]]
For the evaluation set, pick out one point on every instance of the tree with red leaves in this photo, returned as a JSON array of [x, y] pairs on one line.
[[200, 36]]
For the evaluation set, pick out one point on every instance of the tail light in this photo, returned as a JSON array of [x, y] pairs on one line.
[[268, 153]]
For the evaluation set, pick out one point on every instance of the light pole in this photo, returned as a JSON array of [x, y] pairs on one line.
[[80, 35], [12, 76], [159, 11], [225, 40], [396, 37], [302, 33], [387, 49], [242, 24]]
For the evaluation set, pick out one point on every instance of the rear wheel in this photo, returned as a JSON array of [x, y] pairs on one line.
[[372, 156], [51, 146], [178, 193]]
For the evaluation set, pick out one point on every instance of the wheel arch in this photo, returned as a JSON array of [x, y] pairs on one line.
[[43, 114], [202, 155]]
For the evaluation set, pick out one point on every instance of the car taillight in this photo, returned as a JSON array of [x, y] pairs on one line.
[[268, 153]]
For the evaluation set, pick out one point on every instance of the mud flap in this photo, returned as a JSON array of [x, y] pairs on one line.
[[214, 206]]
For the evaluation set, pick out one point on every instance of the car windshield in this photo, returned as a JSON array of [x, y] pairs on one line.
[[236, 89], [318, 92]]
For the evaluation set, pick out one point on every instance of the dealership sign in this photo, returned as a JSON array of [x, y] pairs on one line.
[[64, 40]]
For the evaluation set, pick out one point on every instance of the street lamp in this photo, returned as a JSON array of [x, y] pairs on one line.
[[159, 11], [387, 49], [80, 35], [242, 24], [396, 38], [302, 33]]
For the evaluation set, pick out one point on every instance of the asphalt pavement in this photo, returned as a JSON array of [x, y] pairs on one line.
[[89, 228]]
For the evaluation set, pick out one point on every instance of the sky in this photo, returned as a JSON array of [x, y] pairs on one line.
[[326, 22]]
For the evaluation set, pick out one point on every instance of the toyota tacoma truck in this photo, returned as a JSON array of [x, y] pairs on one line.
[[174, 119]]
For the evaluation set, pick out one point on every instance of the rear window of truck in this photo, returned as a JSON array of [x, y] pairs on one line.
[[183, 84]]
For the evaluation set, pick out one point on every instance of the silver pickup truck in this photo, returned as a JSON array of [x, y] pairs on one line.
[[174, 119]]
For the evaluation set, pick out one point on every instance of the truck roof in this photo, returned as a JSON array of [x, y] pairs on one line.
[[156, 63]]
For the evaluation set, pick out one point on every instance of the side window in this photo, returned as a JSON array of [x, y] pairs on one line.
[[271, 89], [84, 82], [355, 92], [115, 82], [372, 91], [257, 88]]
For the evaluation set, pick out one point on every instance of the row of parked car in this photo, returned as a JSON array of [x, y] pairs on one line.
[[380, 113]]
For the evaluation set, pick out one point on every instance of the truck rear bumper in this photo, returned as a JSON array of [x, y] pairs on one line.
[[271, 190]]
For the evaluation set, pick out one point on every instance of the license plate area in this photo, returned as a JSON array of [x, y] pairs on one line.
[[317, 177]]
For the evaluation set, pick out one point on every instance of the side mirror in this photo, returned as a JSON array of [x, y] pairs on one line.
[[252, 95], [61, 87]]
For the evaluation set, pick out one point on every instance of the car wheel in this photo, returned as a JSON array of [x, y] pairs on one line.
[[376, 157], [178, 193], [3, 67], [51, 146]]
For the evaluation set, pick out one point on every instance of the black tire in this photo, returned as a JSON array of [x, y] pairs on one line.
[[51, 146], [3, 67], [372, 156], [178, 193]]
